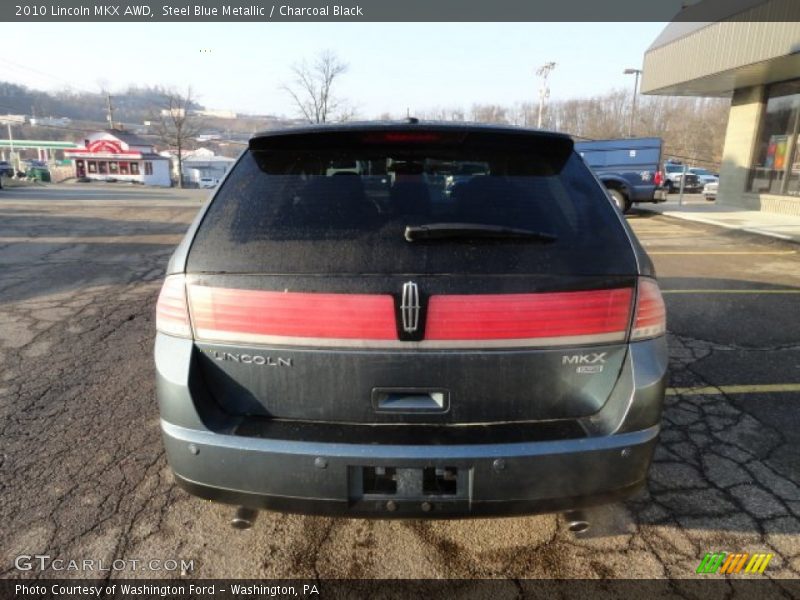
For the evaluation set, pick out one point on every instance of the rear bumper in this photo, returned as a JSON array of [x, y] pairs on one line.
[[495, 479], [647, 193], [211, 460]]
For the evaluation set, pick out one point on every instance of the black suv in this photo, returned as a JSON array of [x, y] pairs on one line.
[[345, 331]]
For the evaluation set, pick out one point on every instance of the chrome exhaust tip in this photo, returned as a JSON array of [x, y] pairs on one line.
[[576, 521], [244, 518]]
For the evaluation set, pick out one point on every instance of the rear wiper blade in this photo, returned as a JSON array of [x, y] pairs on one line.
[[443, 231]]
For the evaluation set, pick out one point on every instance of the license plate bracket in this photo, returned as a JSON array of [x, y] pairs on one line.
[[408, 483]]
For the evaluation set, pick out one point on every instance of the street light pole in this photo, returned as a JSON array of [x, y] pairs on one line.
[[544, 91], [636, 72]]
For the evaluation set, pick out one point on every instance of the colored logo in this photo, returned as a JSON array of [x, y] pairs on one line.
[[723, 563]]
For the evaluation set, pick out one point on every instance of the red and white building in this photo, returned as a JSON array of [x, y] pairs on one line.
[[119, 155]]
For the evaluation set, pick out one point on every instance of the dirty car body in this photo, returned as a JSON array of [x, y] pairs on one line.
[[373, 341]]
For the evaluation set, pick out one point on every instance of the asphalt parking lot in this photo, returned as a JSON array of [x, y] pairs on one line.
[[84, 474]]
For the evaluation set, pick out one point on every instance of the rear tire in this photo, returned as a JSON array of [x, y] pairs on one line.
[[622, 202]]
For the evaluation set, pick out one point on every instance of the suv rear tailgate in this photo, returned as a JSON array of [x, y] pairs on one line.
[[297, 273]]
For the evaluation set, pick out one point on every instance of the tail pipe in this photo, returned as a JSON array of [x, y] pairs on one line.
[[577, 521], [244, 518]]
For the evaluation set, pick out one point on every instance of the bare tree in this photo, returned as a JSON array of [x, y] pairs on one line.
[[312, 89], [489, 113], [176, 126], [441, 113], [693, 129]]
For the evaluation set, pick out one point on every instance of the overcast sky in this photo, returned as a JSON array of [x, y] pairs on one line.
[[392, 66]]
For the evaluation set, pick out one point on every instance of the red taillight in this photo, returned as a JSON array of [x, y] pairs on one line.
[[651, 314], [406, 137], [555, 318], [658, 179], [172, 314], [274, 317], [593, 316]]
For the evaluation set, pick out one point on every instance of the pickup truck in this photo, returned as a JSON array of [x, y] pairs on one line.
[[629, 168], [674, 172]]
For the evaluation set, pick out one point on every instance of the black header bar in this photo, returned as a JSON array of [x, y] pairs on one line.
[[390, 10]]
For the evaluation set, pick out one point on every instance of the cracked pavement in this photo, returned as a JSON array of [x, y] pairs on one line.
[[84, 475]]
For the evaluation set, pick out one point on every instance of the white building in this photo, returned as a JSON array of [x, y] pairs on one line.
[[200, 164], [50, 121], [12, 119], [178, 113], [113, 154], [219, 114]]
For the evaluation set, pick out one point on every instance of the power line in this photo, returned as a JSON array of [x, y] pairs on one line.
[[20, 67]]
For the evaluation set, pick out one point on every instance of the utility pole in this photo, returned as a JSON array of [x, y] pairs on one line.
[[14, 163], [637, 72], [544, 91], [110, 111]]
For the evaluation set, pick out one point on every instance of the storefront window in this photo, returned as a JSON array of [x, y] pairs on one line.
[[112, 167], [776, 169], [92, 166], [148, 168], [134, 168], [102, 167], [123, 168]]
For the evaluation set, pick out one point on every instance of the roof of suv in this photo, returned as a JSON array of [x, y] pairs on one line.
[[410, 124]]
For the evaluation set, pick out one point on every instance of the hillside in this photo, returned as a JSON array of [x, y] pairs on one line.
[[134, 105]]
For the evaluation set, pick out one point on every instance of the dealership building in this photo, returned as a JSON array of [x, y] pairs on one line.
[[114, 154], [750, 54]]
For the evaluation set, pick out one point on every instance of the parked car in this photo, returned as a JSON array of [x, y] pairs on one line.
[[38, 174], [629, 168], [704, 175], [35, 164], [710, 190], [494, 350], [673, 173], [6, 170]]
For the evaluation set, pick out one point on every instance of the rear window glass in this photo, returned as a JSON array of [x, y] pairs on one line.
[[345, 210]]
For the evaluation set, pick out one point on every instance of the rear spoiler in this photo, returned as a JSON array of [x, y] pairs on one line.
[[505, 140]]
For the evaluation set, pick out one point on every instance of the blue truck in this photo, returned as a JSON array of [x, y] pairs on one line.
[[629, 168]]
